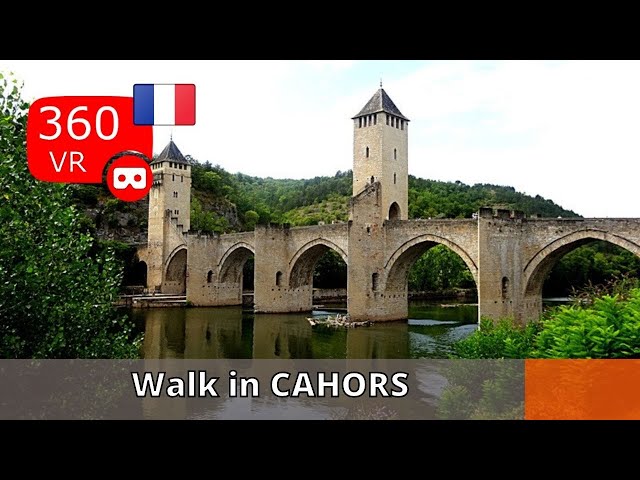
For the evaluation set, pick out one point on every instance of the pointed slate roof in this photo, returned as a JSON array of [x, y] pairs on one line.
[[171, 153], [380, 102]]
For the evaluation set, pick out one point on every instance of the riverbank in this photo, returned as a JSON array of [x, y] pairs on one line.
[[137, 298]]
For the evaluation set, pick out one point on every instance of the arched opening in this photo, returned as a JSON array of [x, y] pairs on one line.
[[430, 270], [320, 273], [176, 277], [394, 210], [596, 263], [236, 272], [209, 276], [372, 179], [135, 276], [505, 288], [278, 279], [573, 262]]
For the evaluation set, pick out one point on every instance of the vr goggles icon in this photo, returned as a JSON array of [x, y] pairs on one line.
[[125, 176]]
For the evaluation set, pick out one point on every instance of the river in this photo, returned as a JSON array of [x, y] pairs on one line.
[[231, 332]]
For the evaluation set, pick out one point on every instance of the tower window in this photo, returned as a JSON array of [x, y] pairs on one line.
[[209, 276], [278, 279], [182, 178], [392, 120], [401, 124], [372, 179], [395, 153], [367, 152], [394, 178], [374, 282], [360, 122], [375, 118], [397, 123], [387, 119], [174, 177]]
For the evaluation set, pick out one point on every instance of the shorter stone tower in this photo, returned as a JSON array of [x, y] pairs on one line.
[[169, 208]]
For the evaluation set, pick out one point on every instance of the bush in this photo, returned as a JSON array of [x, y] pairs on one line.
[[503, 339], [56, 298], [610, 328]]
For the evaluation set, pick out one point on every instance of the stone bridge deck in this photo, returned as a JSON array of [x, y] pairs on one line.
[[508, 257]]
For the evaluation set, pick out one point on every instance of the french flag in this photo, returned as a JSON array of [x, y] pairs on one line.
[[164, 104]]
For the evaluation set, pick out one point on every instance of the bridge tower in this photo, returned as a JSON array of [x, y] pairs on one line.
[[169, 211], [380, 196], [380, 154]]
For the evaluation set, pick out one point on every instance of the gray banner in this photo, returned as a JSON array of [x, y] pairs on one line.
[[262, 389]]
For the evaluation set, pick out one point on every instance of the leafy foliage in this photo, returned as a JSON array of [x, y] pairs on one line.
[[609, 328], [606, 327], [593, 264], [438, 269], [435, 199], [503, 339], [55, 299], [206, 221], [483, 390]]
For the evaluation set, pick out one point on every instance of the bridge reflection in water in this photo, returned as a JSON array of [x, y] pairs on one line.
[[230, 332]]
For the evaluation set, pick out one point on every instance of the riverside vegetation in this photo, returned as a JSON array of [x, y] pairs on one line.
[[602, 322]]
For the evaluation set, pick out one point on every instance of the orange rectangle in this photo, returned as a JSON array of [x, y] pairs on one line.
[[582, 389]]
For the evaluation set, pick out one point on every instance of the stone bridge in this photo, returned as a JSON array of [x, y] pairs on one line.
[[509, 257]]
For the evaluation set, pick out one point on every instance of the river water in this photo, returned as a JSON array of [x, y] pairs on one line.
[[231, 332]]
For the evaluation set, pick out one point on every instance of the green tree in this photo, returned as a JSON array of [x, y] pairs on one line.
[[55, 299], [440, 268], [251, 218]]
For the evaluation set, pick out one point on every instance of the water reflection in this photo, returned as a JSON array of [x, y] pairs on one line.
[[282, 337], [231, 333], [387, 340]]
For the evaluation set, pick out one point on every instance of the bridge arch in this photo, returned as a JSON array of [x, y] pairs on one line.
[[540, 265], [399, 263], [175, 277], [232, 262], [304, 261]]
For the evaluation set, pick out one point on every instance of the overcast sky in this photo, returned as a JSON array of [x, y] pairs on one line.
[[565, 130]]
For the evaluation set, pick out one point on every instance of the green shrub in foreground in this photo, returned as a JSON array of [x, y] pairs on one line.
[[607, 328], [504, 339]]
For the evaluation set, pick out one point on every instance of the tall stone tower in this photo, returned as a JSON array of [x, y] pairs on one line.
[[380, 154], [169, 203]]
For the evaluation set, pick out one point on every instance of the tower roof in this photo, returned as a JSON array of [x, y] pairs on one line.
[[380, 102], [171, 153]]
